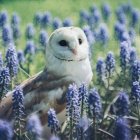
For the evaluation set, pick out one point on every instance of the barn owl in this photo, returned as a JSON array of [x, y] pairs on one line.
[[67, 61]]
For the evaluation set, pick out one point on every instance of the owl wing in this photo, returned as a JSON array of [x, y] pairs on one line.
[[34, 86]]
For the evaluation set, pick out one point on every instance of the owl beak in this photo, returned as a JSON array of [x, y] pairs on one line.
[[74, 51]]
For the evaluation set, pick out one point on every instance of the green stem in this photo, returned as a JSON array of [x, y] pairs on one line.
[[82, 104], [138, 112], [71, 125], [94, 128]]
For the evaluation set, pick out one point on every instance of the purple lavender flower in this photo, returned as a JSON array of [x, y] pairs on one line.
[[124, 55], [11, 60], [15, 20], [4, 81], [84, 16], [119, 29], [126, 7], [122, 104], [135, 17], [106, 11], [34, 127], [89, 35], [103, 34], [30, 31], [122, 130], [18, 110], [110, 64], [54, 138], [6, 132], [135, 71], [83, 98], [30, 48], [100, 69], [1, 61], [20, 56], [37, 18], [93, 8], [7, 37], [132, 34], [53, 122], [46, 19], [119, 11], [122, 18], [57, 23], [135, 92], [3, 18], [67, 22], [133, 56], [95, 17], [18, 107], [43, 38], [16, 32], [84, 123], [72, 106], [125, 37], [95, 105]]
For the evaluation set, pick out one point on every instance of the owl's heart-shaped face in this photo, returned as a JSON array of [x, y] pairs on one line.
[[69, 44]]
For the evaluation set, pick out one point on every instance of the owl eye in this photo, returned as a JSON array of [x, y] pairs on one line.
[[63, 43], [80, 41]]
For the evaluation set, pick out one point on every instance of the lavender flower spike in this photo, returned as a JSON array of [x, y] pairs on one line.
[[34, 126], [122, 131], [53, 122], [11, 60], [6, 132]]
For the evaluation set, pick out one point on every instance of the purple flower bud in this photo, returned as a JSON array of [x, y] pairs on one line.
[[30, 48], [84, 16], [4, 80], [135, 71], [43, 38], [20, 56], [95, 103], [37, 18], [103, 34], [34, 126], [6, 132], [57, 23], [110, 64], [122, 104], [3, 18], [54, 138], [135, 92], [67, 22], [18, 107], [135, 17], [7, 35], [11, 60], [89, 35], [15, 20], [53, 122], [121, 131], [16, 32], [133, 56], [100, 69], [106, 11], [124, 55], [119, 29], [30, 31], [73, 107], [1, 61], [46, 19]]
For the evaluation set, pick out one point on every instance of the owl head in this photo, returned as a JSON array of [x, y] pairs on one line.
[[68, 44]]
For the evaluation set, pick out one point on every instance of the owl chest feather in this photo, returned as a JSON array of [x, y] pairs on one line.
[[78, 71]]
